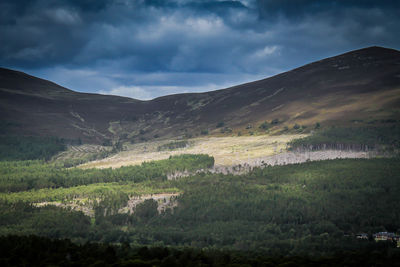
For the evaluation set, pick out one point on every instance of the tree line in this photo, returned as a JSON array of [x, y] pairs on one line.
[[29, 147], [40, 251], [384, 138], [25, 175]]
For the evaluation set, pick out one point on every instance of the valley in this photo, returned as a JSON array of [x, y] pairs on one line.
[[190, 133], [300, 164]]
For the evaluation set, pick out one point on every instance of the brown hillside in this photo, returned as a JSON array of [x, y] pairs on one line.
[[362, 86]]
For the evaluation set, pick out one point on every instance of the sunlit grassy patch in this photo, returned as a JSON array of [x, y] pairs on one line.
[[226, 151]]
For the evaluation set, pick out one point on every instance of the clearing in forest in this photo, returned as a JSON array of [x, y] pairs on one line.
[[227, 151]]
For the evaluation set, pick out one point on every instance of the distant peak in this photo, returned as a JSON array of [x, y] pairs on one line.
[[374, 51], [375, 47]]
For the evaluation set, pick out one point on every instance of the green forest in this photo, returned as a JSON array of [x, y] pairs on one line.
[[29, 147], [382, 138], [290, 210], [41, 251], [25, 175], [296, 214]]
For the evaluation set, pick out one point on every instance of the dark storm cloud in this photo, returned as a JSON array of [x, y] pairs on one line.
[[46, 33], [146, 48], [298, 8]]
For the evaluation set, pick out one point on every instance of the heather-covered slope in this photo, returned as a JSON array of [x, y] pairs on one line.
[[361, 86]]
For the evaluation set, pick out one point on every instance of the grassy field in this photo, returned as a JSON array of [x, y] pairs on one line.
[[227, 151]]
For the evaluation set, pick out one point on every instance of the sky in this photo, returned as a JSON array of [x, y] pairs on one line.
[[149, 48]]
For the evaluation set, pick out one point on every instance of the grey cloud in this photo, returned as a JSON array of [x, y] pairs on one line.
[[269, 9], [183, 43]]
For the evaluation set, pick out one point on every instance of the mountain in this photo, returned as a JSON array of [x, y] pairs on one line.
[[361, 86]]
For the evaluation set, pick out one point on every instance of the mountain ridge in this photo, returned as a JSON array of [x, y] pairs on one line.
[[362, 84]]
